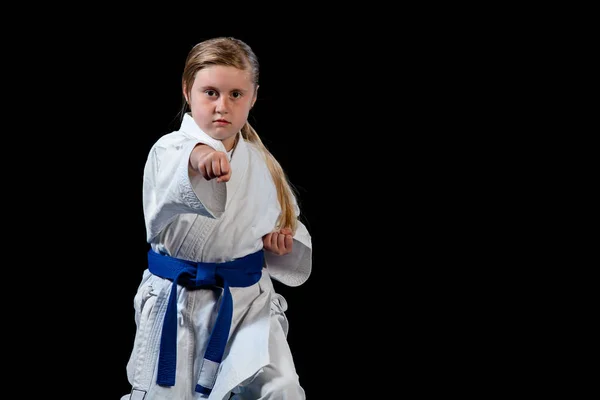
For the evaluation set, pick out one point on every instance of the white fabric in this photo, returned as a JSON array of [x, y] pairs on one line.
[[207, 221]]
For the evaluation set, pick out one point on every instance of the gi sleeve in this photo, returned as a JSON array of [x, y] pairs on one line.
[[168, 189]]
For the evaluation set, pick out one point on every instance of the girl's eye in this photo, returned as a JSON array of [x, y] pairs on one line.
[[236, 95], [211, 93]]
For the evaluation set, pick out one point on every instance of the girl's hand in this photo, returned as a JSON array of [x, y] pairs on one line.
[[279, 242], [210, 163]]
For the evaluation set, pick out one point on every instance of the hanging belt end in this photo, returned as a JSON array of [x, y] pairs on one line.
[[203, 390], [208, 376]]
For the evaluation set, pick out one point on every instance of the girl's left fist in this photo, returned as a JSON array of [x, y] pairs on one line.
[[279, 242]]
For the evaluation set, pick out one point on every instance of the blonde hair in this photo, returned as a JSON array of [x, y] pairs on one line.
[[235, 53]]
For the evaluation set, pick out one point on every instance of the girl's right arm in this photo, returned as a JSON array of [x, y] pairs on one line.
[[178, 179]]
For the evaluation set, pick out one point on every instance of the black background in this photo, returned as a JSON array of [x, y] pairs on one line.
[[361, 119]]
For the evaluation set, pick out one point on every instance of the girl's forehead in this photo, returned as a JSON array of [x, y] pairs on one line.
[[223, 75]]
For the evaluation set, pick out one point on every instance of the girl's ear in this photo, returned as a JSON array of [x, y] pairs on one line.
[[255, 97], [185, 94]]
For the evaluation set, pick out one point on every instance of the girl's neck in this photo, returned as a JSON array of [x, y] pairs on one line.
[[233, 144]]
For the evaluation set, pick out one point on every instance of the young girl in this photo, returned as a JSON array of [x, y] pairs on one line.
[[222, 221]]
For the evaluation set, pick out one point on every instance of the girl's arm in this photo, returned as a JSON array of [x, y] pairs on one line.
[[289, 258], [172, 186]]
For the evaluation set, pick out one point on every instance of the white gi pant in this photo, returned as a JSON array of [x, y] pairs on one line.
[[277, 380]]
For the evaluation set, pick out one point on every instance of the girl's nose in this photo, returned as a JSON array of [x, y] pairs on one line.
[[223, 105]]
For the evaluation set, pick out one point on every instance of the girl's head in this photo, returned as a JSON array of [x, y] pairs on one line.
[[220, 84]]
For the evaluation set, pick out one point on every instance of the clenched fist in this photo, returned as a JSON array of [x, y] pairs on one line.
[[279, 242], [210, 163]]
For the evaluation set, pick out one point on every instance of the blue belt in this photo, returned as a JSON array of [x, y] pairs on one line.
[[242, 272]]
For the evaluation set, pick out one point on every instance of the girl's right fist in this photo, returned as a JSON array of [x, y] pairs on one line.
[[210, 163]]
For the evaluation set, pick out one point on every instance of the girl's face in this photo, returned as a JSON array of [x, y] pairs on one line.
[[220, 100]]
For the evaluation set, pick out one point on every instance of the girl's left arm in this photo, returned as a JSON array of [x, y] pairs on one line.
[[289, 260]]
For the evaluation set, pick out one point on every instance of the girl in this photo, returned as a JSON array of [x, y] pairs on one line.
[[222, 221]]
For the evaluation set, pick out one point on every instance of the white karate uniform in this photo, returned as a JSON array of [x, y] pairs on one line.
[[206, 221]]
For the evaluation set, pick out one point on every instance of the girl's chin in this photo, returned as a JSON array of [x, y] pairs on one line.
[[221, 136]]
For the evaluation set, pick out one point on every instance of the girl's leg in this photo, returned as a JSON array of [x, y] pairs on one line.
[[278, 380]]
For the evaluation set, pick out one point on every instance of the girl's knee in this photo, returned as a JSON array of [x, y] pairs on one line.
[[278, 388], [284, 387]]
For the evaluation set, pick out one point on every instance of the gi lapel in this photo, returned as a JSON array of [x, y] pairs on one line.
[[239, 167]]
